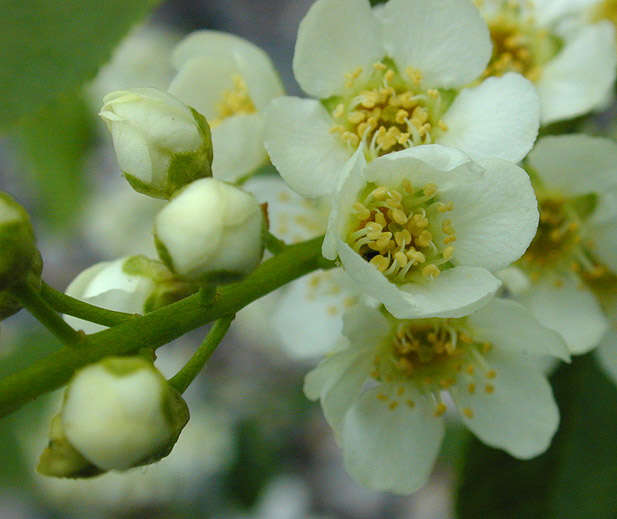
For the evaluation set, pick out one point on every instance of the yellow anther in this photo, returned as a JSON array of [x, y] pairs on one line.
[[401, 237], [444, 208], [410, 403], [491, 373], [489, 388], [361, 211], [405, 366], [419, 116], [369, 99], [431, 271], [379, 66], [414, 74], [433, 93], [332, 310], [450, 348], [356, 117], [442, 125], [399, 216], [486, 347], [380, 219], [389, 75], [337, 129], [430, 189], [400, 390], [463, 337], [420, 221], [395, 195], [382, 397], [468, 412], [234, 101], [401, 116], [440, 409], [382, 263], [424, 239], [471, 388], [446, 227], [379, 193], [449, 239], [339, 111], [470, 369], [393, 405], [401, 259], [373, 226], [407, 186], [351, 138], [448, 252], [416, 256]]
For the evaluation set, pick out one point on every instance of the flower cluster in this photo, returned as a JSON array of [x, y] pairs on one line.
[[464, 255]]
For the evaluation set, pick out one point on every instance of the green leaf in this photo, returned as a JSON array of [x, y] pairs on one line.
[[51, 147], [50, 47], [375, 2], [575, 479]]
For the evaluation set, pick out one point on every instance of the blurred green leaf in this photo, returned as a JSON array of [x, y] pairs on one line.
[[375, 2], [52, 46], [51, 146], [575, 479]]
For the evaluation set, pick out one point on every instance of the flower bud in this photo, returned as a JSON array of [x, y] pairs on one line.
[[17, 246], [210, 230], [9, 304], [134, 284], [117, 414], [161, 144]]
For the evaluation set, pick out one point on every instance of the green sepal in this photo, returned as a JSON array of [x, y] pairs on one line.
[[183, 168], [17, 244]]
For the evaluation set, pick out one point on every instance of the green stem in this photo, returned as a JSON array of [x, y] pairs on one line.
[[71, 306], [273, 244], [32, 301], [161, 326], [181, 380]]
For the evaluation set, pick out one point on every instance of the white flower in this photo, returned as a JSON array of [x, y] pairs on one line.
[[391, 81], [210, 229], [230, 81], [382, 390], [574, 252], [303, 318], [161, 144], [422, 229], [131, 284], [571, 64], [117, 413]]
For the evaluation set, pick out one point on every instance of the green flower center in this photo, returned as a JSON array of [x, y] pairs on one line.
[[400, 231], [519, 45], [390, 112], [435, 354]]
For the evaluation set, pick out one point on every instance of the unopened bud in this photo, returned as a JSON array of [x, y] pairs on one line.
[[17, 245], [210, 230], [117, 414], [161, 144], [134, 284]]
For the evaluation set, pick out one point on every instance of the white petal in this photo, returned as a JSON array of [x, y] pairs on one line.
[[604, 238], [498, 118], [495, 217], [249, 61], [335, 38], [447, 40], [291, 217], [339, 380], [454, 293], [238, 147], [519, 416], [300, 144], [201, 83], [548, 11], [579, 77], [576, 164], [511, 327], [606, 354], [309, 316], [132, 150], [365, 325], [570, 310], [391, 449]]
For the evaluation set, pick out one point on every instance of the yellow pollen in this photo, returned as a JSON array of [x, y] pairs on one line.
[[235, 101], [491, 374], [393, 405], [489, 388], [468, 412], [471, 388], [431, 271], [382, 397], [410, 403], [440, 409]]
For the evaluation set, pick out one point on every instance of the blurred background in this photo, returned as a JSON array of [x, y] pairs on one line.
[[255, 446]]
